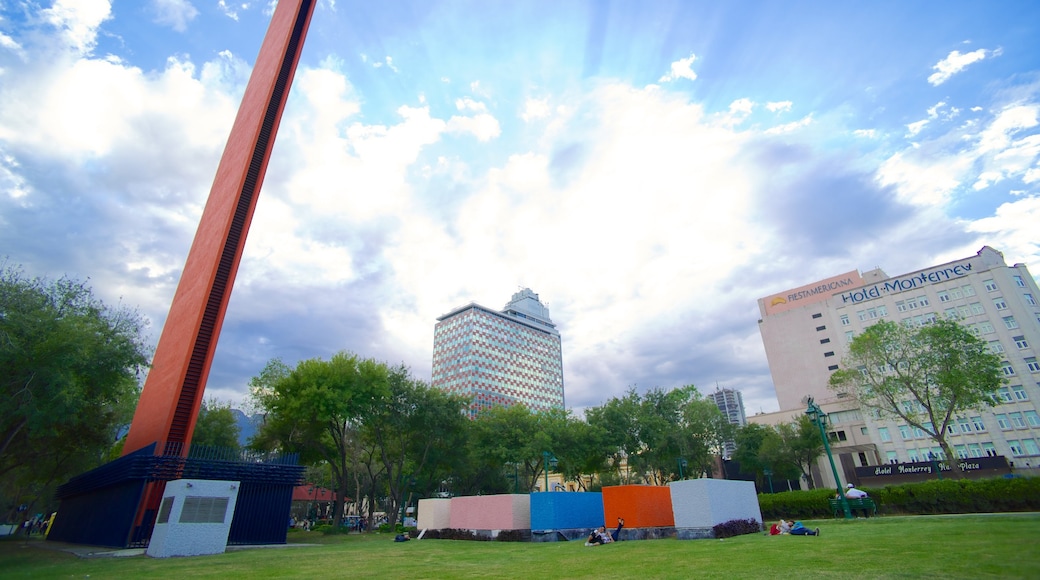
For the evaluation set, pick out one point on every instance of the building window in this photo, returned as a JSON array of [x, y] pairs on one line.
[[891, 457], [901, 306], [1016, 448], [849, 335], [1029, 299], [1004, 395], [991, 286], [961, 451], [999, 304], [977, 309], [883, 434], [1034, 367], [882, 311], [845, 320], [817, 315], [968, 290], [989, 449], [950, 313], [824, 340], [978, 424], [922, 301], [955, 293], [1033, 419], [964, 425], [1020, 392], [1020, 342], [944, 296], [828, 353], [1002, 422], [1016, 420], [832, 368], [1030, 447], [974, 450], [1019, 281], [963, 311], [1007, 368], [819, 328], [1009, 321], [904, 433], [986, 328], [911, 455], [911, 303], [995, 347], [862, 315]]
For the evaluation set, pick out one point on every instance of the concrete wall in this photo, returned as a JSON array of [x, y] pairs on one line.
[[642, 506], [703, 503], [491, 512], [434, 514], [174, 538], [563, 510]]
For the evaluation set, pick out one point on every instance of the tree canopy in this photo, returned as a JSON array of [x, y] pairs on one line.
[[922, 375], [70, 371], [216, 426]]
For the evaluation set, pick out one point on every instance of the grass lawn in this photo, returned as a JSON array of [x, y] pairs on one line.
[[967, 546]]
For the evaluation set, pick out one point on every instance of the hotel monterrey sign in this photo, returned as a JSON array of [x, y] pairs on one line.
[[906, 283]]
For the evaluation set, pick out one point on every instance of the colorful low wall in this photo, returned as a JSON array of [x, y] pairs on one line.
[[703, 503], [491, 512], [434, 514], [564, 510], [642, 506]]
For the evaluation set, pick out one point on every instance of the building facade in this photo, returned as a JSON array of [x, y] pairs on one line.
[[504, 358], [805, 331], [731, 403]]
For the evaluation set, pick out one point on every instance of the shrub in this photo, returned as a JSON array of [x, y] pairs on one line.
[[509, 536], [736, 528]]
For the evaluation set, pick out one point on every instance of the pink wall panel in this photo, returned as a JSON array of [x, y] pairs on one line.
[[491, 512]]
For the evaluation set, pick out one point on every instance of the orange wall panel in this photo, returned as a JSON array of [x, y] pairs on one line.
[[641, 506]]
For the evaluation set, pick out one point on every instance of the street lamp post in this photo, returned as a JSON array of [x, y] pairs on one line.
[[682, 465], [548, 460], [817, 416], [769, 475]]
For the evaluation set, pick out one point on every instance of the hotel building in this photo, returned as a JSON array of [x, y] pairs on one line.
[[504, 358], [805, 331]]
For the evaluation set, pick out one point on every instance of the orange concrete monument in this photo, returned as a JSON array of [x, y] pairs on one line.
[[172, 395]]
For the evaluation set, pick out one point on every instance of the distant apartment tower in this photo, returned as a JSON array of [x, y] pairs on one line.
[[500, 358], [731, 403]]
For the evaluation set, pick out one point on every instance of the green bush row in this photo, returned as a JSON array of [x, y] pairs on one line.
[[945, 496]]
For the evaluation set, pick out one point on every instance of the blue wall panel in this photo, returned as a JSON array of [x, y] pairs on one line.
[[562, 510]]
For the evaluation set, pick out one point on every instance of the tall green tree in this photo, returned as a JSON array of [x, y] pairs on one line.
[[923, 375], [316, 409], [70, 370], [216, 426], [411, 426]]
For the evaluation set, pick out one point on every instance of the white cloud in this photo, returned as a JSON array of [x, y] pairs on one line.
[[78, 21], [914, 128], [956, 62], [174, 13], [535, 109], [791, 127], [865, 133], [231, 9], [779, 106], [466, 104], [680, 69], [483, 126], [1012, 229]]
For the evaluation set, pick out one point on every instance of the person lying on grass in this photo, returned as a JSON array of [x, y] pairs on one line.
[[600, 536]]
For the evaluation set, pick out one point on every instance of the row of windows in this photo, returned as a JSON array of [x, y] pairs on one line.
[[1004, 394], [955, 293], [1009, 421]]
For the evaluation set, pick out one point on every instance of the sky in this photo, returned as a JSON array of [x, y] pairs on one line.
[[650, 169]]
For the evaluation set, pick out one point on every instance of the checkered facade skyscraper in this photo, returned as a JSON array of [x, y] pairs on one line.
[[504, 358]]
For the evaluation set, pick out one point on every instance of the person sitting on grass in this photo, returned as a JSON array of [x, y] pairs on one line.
[[600, 536]]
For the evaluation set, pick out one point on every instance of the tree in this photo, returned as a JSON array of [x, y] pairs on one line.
[[315, 410], [410, 426], [923, 375], [69, 378], [216, 426]]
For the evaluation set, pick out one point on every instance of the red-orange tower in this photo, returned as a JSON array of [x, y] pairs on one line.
[[169, 404]]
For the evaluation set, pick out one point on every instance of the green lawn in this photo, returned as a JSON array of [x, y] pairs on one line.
[[969, 546]]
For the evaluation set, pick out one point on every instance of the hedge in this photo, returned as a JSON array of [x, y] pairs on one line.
[[947, 496]]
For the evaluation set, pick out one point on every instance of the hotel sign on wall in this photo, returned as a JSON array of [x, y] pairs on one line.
[[811, 293], [906, 283]]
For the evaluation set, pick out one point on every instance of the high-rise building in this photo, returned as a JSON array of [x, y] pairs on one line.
[[805, 331], [731, 403], [507, 357]]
